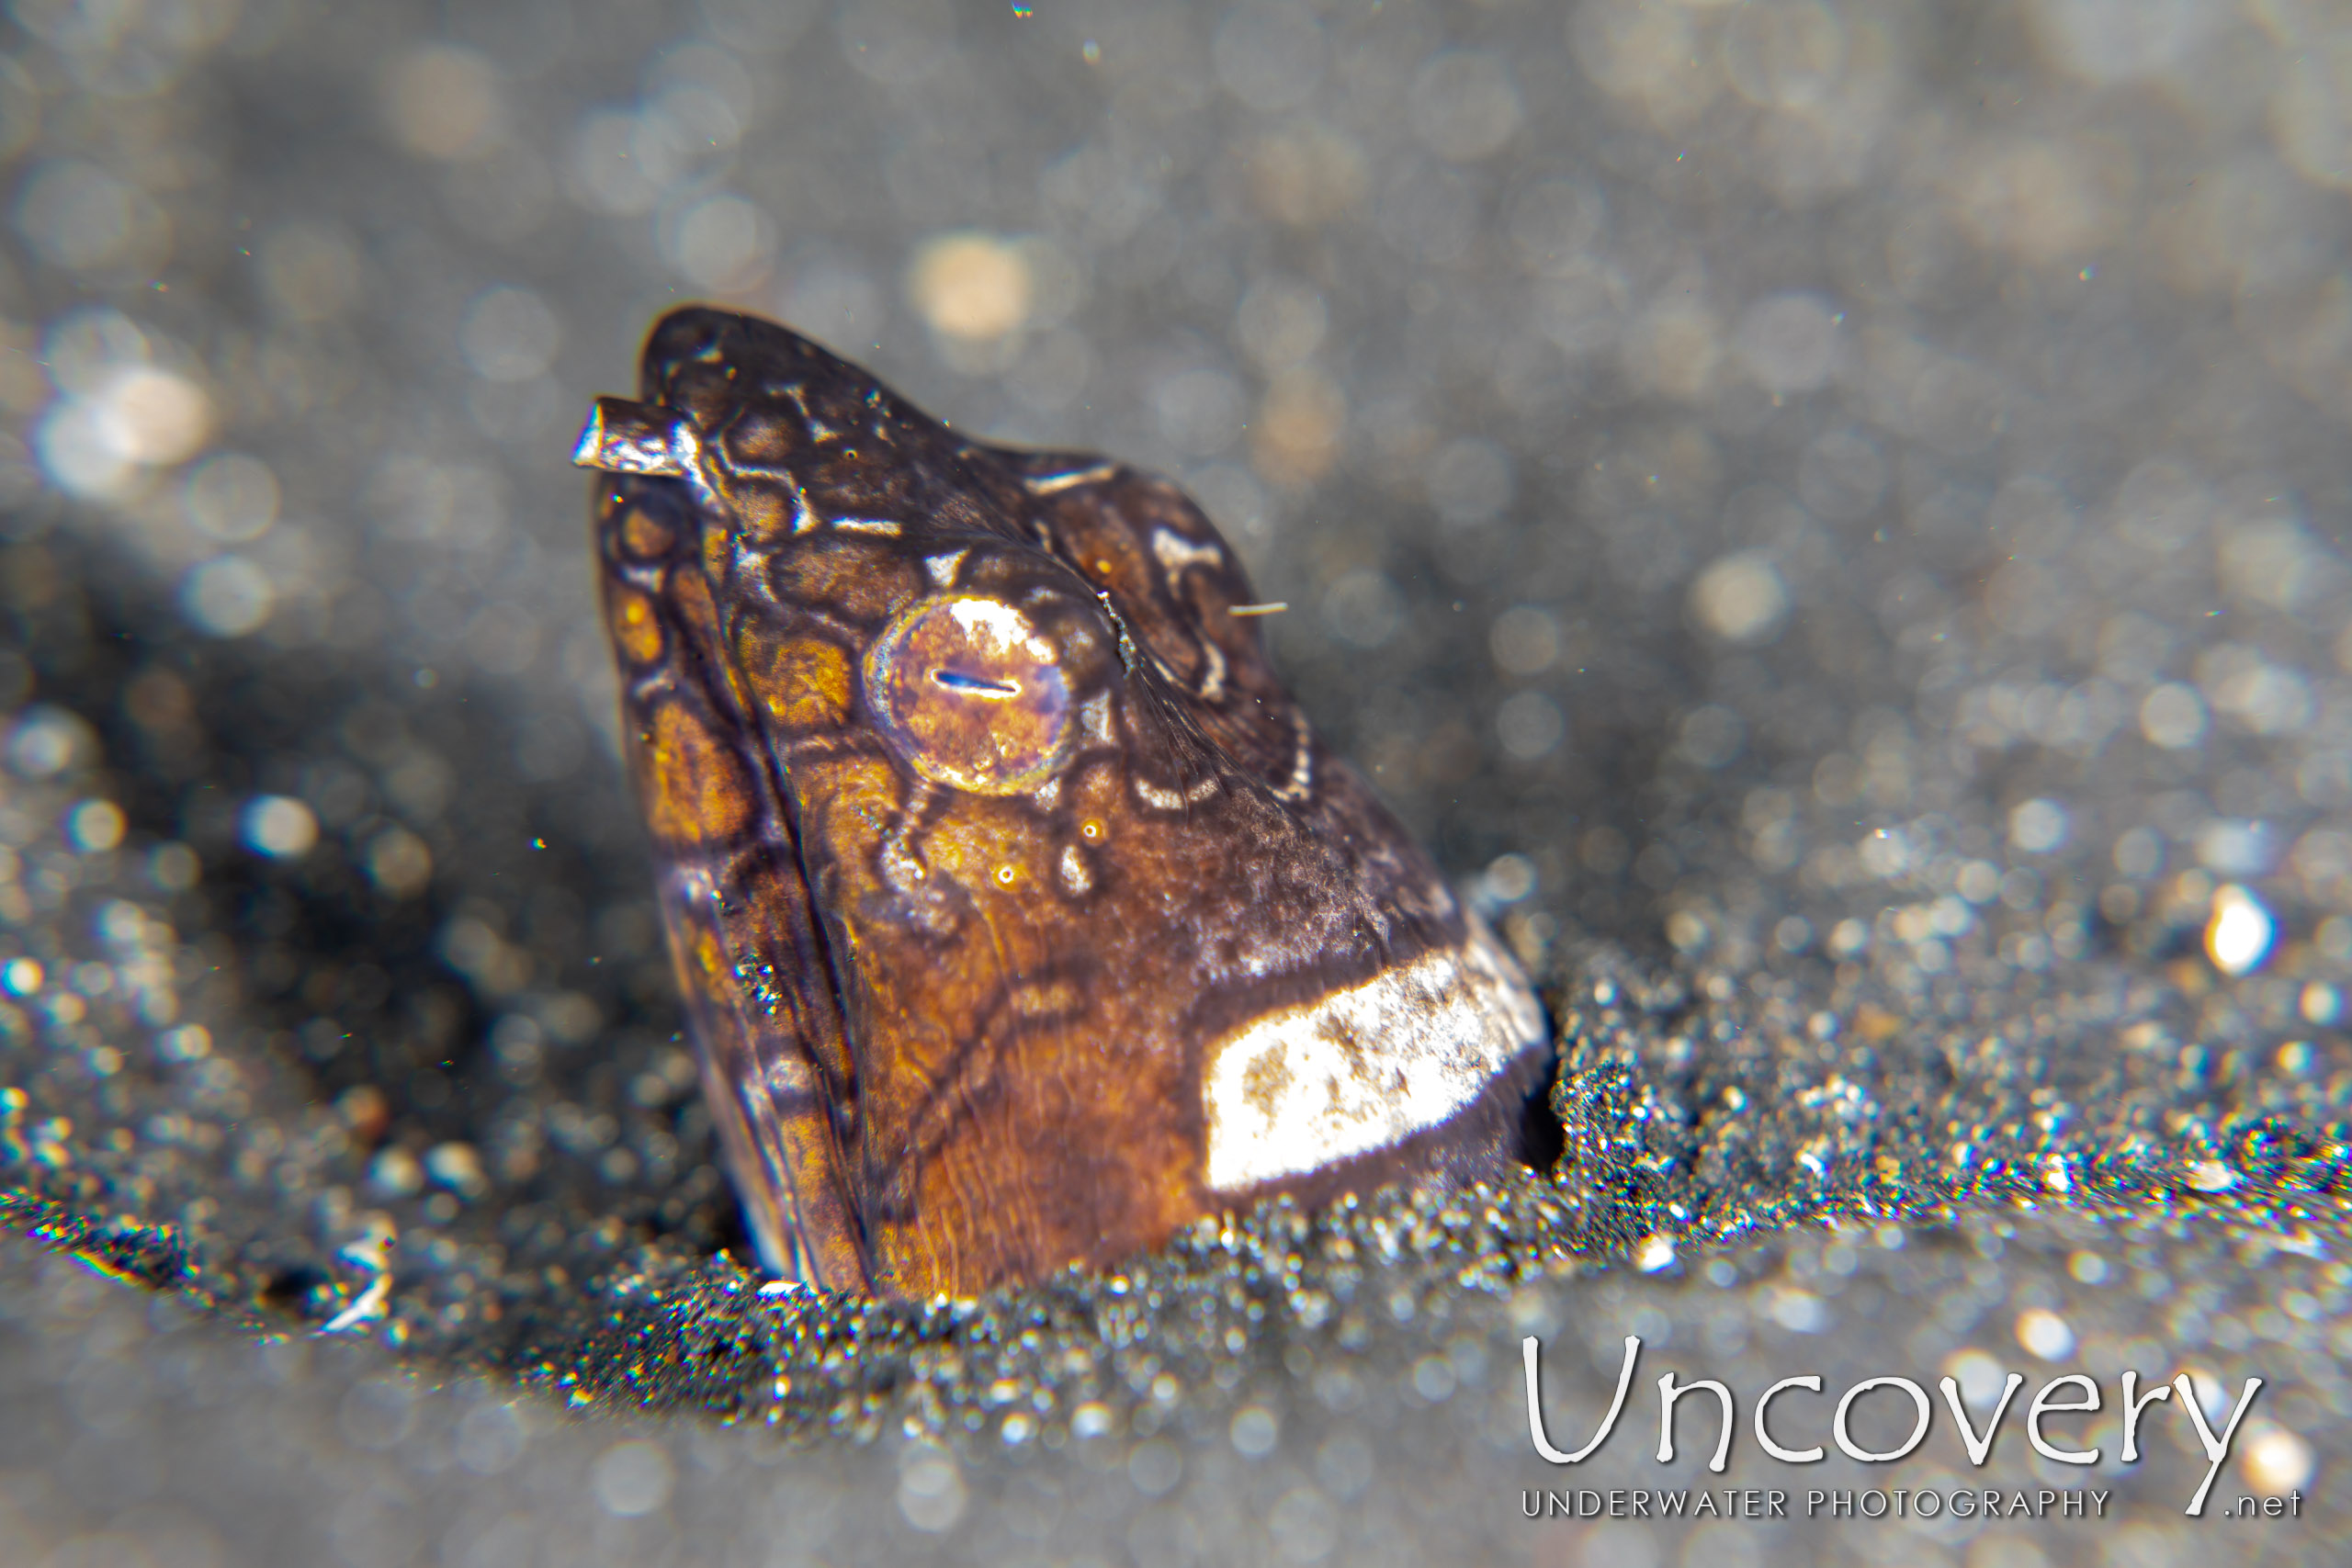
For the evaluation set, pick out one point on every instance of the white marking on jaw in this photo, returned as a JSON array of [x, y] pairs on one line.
[[1172, 800], [881, 526], [649, 688], [1364, 1069], [1094, 719], [901, 865], [1049, 795], [1302, 762], [1053, 999], [1153, 796], [1075, 876], [1212, 688], [1054, 484], [944, 568], [902, 868], [1177, 552]]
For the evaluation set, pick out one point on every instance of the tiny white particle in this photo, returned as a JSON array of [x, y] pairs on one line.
[[95, 826], [2211, 1175], [1740, 597], [2238, 933], [1255, 1431], [2278, 1462], [365, 1308], [2038, 825], [2045, 1333], [279, 826]]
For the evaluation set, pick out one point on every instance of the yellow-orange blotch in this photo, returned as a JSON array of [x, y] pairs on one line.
[[713, 958], [694, 788], [805, 685], [761, 509], [845, 575], [646, 536], [637, 630]]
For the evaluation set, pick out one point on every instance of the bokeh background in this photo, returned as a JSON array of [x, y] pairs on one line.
[[1830, 518]]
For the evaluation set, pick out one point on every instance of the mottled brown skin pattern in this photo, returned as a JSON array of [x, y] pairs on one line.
[[952, 1037]]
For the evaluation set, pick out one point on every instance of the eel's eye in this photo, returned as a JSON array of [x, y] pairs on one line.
[[970, 692]]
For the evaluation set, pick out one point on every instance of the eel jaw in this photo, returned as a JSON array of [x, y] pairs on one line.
[[1367, 1076]]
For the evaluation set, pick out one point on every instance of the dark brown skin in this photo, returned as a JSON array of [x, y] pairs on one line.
[[981, 817]]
